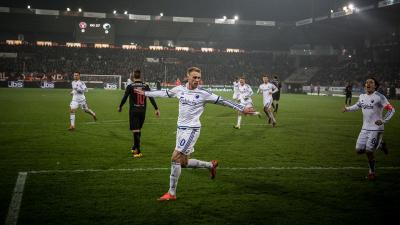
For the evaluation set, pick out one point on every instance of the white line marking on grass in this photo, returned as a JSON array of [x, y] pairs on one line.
[[223, 168], [15, 204]]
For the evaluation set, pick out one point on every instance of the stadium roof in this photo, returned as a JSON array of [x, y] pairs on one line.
[[275, 10]]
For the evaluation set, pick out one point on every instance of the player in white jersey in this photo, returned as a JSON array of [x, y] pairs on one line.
[[370, 138], [78, 100], [244, 96], [268, 89], [236, 89], [191, 105]]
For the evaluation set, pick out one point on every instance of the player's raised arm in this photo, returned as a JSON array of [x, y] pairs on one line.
[[211, 97], [354, 107], [158, 94]]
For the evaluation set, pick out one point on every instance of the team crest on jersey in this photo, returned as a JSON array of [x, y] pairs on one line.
[[372, 101], [197, 96]]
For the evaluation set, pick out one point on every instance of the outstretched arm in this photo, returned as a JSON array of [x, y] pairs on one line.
[[220, 101], [354, 107]]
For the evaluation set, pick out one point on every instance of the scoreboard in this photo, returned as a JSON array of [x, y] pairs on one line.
[[94, 31]]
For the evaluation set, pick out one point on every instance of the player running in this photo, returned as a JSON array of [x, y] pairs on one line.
[[370, 138], [244, 93], [268, 89], [236, 89], [192, 100], [277, 95], [78, 100], [137, 110]]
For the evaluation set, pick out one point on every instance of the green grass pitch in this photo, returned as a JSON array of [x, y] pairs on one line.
[[311, 132]]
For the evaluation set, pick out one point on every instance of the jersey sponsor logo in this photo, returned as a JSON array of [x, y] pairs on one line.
[[46, 84], [15, 84], [185, 101]]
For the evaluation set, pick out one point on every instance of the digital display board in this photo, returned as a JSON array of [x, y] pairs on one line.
[[94, 31]]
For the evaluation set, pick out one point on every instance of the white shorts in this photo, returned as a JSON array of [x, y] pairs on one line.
[[369, 140], [186, 139], [235, 96], [267, 102], [246, 103], [75, 104]]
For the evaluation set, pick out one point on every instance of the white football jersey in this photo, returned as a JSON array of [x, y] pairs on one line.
[[78, 90], [191, 103], [267, 91], [372, 107], [245, 93], [235, 90]]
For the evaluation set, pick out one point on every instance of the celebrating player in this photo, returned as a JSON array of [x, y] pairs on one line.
[[78, 100], [191, 105], [370, 137], [137, 110], [244, 93], [268, 89]]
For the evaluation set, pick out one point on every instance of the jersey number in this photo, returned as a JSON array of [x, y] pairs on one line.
[[140, 99]]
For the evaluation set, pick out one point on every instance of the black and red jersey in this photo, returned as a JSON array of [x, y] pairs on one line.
[[137, 103]]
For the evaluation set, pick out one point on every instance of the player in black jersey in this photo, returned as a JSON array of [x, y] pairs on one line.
[[277, 95], [137, 109], [348, 92]]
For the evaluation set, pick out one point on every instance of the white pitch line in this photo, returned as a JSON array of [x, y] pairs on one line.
[[13, 211], [223, 168]]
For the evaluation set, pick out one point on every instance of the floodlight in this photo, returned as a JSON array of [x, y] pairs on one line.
[[236, 17], [126, 12], [29, 7], [115, 11], [68, 9], [79, 10], [331, 10], [344, 8], [351, 6], [224, 17], [161, 14]]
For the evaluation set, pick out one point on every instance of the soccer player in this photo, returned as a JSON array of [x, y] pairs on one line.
[[370, 138], [78, 100], [235, 89], [277, 95], [348, 91], [192, 100], [268, 89], [137, 110], [244, 96]]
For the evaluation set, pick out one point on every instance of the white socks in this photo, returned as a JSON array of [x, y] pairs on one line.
[[239, 120], [174, 177], [72, 119], [194, 163]]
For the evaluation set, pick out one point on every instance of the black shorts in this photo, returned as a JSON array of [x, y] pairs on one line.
[[276, 96], [136, 120]]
